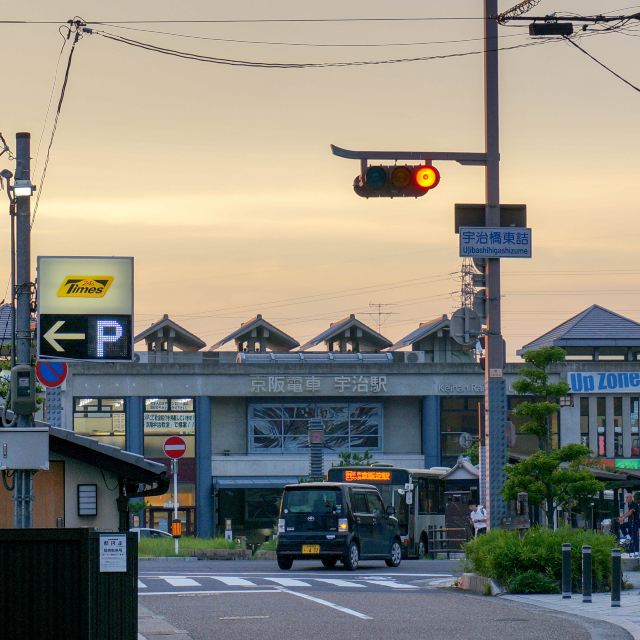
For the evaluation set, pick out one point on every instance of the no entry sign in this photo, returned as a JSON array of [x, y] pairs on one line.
[[51, 374], [174, 447]]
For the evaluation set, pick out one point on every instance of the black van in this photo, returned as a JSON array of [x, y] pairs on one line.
[[336, 521]]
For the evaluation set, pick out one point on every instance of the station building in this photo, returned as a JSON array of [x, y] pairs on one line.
[[243, 406]]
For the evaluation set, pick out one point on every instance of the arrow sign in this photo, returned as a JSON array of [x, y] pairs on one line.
[[174, 447], [52, 336]]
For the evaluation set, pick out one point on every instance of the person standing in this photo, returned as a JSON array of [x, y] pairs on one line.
[[632, 516], [478, 516]]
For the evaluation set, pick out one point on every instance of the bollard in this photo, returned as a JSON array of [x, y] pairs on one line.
[[586, 573], [566, 570], [616, 576]]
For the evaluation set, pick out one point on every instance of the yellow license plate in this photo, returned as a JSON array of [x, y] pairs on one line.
[[311, 548]]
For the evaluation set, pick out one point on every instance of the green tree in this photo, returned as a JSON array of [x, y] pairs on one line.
[[353, 459], [534, 381], [552, 480]]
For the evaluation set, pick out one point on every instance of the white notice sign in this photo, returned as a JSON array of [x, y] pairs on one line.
[[113, 553]]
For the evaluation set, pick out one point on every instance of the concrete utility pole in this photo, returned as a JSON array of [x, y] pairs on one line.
[[495, 398], [23, 492]]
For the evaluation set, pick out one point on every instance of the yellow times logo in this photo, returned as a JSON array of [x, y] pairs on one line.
[[84, 286]]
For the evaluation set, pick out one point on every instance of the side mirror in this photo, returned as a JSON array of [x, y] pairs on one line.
[[391, 510]]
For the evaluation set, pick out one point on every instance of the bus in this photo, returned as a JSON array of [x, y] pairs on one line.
[[416, 494]]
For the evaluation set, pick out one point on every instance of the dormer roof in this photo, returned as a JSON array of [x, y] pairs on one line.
[[441, 323], [168, 330], [274, 339], [353, 330]]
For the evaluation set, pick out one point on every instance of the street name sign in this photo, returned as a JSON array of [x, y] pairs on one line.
[[174, 447], [85, 308], [495, 242]]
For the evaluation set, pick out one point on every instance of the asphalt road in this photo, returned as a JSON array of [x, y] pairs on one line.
[[247, 600]]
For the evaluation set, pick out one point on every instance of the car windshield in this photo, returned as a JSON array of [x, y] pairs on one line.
[[312, 501]]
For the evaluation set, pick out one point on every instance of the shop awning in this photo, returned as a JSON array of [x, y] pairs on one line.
[[255, 482]]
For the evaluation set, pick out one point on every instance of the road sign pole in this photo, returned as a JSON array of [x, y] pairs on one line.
[[23, 497], [495, 388], [175, 501]]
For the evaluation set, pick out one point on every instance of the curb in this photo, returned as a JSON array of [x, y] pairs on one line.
[[480, 584]]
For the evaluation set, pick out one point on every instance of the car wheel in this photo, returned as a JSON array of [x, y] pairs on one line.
[[395, 555], [329, 563], [285, 562], [422, 548], [352, 558]]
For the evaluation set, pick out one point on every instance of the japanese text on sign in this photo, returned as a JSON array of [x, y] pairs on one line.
[[113, 553], [495, 242], [311, 384]]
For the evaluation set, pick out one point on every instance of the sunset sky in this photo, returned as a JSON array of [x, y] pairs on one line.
[[220, 182]]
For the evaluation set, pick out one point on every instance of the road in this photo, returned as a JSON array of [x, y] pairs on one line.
[[247, 600]]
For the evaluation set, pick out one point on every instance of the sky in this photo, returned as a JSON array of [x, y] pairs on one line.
[[219, 179]]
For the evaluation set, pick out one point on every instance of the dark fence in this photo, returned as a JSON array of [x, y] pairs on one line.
[[52, 585]]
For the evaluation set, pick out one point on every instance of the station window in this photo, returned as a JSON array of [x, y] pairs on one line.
[[100, 418], [601, 424], [165, 417], [635, 435], [282, 428], [584, 422], [617, 427]]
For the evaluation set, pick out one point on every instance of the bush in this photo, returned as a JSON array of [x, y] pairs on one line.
[[503, 555], [533, 582]]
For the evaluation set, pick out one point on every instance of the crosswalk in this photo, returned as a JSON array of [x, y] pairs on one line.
[[152, 583]]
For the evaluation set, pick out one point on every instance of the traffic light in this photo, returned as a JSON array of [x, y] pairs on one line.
[[396, 181]]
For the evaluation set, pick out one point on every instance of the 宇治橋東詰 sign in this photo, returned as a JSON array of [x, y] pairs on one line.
[[604, 382], [495, 242], [85, 308]]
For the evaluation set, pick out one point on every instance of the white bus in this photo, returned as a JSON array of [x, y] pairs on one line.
[[416, 494]]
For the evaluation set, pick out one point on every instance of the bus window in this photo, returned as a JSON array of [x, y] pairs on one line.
[[430, 495]]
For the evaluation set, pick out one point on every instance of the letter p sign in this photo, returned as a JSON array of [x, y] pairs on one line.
[[108, 331]]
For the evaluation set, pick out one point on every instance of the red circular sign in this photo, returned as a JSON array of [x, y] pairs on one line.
[[174, 447], [51, 373]]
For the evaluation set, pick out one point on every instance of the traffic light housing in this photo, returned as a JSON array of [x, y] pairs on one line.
[[396, 181]]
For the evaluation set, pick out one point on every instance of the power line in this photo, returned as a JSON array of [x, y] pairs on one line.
[[604, 66]]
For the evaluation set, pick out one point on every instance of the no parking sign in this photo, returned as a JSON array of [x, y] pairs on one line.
[[51, 373]]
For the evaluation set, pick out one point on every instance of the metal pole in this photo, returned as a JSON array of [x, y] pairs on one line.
[[23, 487], [566, 570], [175, 501], [587, 586], [495, 389], [616, 576]]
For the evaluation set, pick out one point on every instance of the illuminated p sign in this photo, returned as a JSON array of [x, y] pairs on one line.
[[108, 332]]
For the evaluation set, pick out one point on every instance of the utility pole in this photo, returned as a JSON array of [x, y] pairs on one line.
[[23, 492], [494, 385]]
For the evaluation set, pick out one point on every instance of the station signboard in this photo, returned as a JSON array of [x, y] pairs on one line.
[[85, 308]]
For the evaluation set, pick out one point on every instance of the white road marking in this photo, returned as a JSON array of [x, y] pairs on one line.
[[243, 617], [388, 583], [141, 585], [181, 582], [326, 603], [207, 593], [339, 583], [233, 581], [289, 582]]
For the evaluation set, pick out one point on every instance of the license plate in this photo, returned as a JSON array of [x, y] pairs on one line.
[[311, 548]]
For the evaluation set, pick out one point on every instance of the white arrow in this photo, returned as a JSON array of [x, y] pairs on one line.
[[52, 336]]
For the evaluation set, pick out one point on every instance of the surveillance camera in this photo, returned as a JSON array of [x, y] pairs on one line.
[[6, 174]]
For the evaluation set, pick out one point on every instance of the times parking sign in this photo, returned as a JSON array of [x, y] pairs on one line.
[[85, 308]]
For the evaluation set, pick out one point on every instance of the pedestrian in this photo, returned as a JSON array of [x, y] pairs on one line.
[[478, 516], [630, 527]]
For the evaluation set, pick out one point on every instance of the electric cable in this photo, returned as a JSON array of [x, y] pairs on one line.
[[617, 75], [63, 90]]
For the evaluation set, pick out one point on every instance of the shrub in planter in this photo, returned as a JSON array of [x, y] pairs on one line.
[[533, 582], [503, 554]]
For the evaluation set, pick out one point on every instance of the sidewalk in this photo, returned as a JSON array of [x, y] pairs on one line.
[[154, 627], [627, 615]]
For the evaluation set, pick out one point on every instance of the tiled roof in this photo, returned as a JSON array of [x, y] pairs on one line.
[[593, 327], [337, 328], [275, 335], [425, 329], [182, 338]]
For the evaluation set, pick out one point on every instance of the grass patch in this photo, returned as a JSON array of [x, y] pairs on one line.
[[164, 547], [269, 545]]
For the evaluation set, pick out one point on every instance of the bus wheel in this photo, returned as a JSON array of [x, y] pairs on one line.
[[423, 548]]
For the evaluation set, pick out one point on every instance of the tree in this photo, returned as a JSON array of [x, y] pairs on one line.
[[552, 480], [534, 381], [353, 459]]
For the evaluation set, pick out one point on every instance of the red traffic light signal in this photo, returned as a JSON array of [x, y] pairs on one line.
[[396, 181]]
